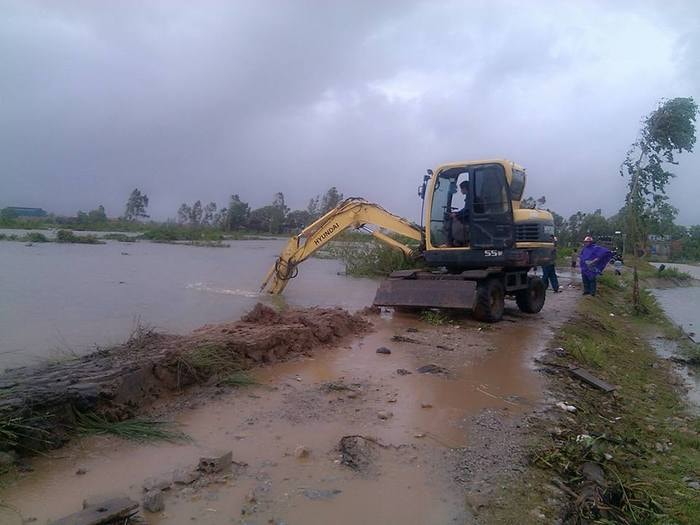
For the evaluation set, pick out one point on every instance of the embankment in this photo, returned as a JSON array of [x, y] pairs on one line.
[[38, 405], [629, 456]]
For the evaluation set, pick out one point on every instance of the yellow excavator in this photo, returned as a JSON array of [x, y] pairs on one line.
[[477, 247]]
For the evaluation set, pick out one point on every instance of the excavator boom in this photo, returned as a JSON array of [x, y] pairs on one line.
[[351, 213]]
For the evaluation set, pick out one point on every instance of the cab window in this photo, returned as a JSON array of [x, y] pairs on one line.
[[490, 190]]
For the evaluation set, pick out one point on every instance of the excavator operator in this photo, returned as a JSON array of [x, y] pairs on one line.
[[458, 230]]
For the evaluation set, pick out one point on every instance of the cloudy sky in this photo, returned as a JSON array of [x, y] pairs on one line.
[[198, 100]]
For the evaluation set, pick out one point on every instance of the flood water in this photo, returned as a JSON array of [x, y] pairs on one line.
[[66, 298], [681, 304]]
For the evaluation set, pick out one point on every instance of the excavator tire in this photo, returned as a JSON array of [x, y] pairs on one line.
[[490, 301], [531, 300]]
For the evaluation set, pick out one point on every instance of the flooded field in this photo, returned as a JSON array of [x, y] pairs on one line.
[[65, 298]]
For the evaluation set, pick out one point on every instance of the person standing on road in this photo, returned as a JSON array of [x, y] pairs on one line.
[[549, 272], [593, 260]]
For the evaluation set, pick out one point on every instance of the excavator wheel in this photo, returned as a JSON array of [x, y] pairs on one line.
[[490, 301], [531, 300]]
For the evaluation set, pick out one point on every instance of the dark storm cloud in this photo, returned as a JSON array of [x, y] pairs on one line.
[[200, 100]]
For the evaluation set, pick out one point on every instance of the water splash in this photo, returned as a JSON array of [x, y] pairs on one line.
[[201, 287]]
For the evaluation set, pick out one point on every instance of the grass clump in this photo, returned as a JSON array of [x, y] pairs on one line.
[[35, 237], [67, 236], [141, 430], [435, 317], [209, 360], [121, 237], [174, 233]]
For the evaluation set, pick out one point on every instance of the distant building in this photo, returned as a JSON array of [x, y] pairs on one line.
[[663, 247], [19, 211]]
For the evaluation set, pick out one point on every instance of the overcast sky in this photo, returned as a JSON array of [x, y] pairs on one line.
[[198, 100]]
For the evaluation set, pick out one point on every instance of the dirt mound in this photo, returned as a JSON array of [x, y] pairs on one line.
[[118, 381], [262, 336]]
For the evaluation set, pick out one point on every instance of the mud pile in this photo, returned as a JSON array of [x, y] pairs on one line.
[[38, 404]]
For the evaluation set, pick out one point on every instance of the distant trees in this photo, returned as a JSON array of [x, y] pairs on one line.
[[237, 213], [330, 200], [136, 206]]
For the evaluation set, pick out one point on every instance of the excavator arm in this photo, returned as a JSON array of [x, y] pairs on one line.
[[351, 213]]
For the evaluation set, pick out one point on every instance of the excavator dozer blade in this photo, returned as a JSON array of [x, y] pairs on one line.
[[426, 293]]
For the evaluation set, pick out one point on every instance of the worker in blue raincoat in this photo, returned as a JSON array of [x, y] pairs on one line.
[[593, 260]]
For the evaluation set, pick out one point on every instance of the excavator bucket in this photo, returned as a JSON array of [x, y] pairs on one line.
[[398, 291]]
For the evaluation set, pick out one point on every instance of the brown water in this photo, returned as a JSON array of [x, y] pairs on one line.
[[67, 298], [490, 370]]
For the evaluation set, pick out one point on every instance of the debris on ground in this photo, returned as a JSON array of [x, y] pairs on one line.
[[432, 369], [403, 372], [153, 501], [589, 378], [593, 472], [358, 452], [383, 350], [158, 483], [216, 462], [384, 414], [185, 476], [321, 494], [120, 509], [404, 339], [302, 452], [565, 407]]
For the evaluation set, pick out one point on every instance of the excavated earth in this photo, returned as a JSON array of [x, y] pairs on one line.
[[39, 402]]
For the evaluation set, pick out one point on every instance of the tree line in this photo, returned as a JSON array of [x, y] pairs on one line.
[[275, 217]]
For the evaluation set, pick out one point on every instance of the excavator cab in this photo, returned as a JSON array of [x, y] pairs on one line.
[[476, 248], [470, 207]]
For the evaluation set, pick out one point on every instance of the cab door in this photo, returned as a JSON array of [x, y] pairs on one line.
[[491, 217]]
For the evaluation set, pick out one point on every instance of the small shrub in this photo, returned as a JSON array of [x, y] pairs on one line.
[[121, 237], [67, 236], [371, 259]]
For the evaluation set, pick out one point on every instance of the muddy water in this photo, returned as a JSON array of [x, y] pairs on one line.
[[681, 304], [66, 298], [489, 370]]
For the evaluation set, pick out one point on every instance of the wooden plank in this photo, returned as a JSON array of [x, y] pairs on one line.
[[102, 513], [589, 378]]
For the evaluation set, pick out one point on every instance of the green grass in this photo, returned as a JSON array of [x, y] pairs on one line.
[[370, 258], [67, 236], [646, 485], [237, 379], [435, 317], [208, 360], [121, 237], [141, 430]]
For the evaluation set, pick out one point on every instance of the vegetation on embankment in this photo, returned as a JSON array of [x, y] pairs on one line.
[[364, 256], [632, 456]]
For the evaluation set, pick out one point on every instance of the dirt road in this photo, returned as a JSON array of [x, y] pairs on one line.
[[459, 428]]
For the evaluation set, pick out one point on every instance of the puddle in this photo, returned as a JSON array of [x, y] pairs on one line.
[[489, 369]]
